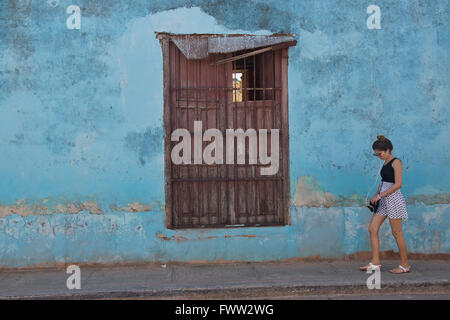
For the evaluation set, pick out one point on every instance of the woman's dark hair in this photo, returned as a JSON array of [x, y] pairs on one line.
[[382, 143]]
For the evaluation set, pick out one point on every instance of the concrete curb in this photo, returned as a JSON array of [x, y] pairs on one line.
[[248, 292]]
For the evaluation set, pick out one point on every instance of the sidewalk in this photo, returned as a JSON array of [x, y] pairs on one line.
[[228, 280]]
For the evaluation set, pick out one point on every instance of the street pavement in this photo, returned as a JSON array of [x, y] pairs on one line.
[[241, 280]]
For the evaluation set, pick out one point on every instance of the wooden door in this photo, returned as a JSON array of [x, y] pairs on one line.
[[218, 195]]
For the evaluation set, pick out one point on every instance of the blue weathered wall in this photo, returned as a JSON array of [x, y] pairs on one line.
[[81, 148]]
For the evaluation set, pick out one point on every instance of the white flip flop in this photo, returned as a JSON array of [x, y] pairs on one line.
[[404, 270], [372, 267]]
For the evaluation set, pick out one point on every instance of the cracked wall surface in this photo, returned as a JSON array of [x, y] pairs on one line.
[[81, 127]]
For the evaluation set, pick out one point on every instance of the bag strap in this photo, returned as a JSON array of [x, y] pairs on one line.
[[367, 195]]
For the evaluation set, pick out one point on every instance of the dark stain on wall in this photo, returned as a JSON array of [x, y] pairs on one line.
[[248, 15], [232, 13], [16, 17], [145, 144], [15, 36], [58, 140], [97, 8], [18, 139], [23, 31]]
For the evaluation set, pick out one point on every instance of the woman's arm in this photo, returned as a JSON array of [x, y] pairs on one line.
[[378, 191], [377, 195], [397, 165]]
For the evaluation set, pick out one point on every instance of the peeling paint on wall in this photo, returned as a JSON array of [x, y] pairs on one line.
[[183, 238], [206, 238], [353, 200], [161, 236], [138, 236], [309, 193], [19, 208], [46, 206], [428, 199], [25, 209], [246, 235], [132, 207]]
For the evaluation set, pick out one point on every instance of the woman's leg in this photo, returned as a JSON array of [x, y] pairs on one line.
[[396, 226], [375, 224]]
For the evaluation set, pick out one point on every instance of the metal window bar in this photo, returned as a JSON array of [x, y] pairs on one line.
[[279, 212], [236, 208], [178, 207], [227, 220], [274, 125], [218, 185]]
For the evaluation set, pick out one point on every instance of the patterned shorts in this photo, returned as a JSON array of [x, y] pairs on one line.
[[394, 205]]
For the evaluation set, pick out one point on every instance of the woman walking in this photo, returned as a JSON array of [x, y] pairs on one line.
[[392, 205]]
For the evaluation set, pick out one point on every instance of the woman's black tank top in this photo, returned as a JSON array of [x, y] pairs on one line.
[[387, 172]]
